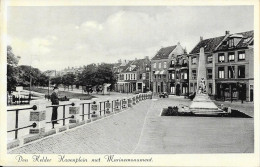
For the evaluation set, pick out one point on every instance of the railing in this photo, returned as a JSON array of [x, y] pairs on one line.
[[17, 120], [17, 100], [79, 111], [64, 117]]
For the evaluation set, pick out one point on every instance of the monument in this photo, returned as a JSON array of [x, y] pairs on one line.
[[202, 104]]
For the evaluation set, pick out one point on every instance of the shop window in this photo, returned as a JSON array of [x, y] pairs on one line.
[[231, 56], [231, 72], [221, 57], [241, 71], [241, 55], [210, 88], [221, 72], [209, 73]]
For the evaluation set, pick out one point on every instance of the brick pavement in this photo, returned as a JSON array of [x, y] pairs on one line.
[[118, 133]]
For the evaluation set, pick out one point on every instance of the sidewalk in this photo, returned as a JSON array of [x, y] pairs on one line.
[[116, 134]]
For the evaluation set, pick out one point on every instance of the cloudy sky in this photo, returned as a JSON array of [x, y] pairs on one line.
[[52, 38]]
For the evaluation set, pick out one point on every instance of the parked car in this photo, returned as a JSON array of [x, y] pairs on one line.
[[164, 95]]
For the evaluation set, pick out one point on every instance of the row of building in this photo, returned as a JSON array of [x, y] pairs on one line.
[[229, 61]]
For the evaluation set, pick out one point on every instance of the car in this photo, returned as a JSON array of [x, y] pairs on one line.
[[164, 95]]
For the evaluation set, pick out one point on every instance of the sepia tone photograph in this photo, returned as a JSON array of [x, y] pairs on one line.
[[122, 79]]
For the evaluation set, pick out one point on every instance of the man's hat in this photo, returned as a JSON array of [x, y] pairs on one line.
[[55, 87]]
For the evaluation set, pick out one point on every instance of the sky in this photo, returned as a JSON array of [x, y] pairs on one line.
[[53, 38]]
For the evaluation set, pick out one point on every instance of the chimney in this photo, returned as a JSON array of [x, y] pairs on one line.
[[201, 38], [227, 32], [119, 61]]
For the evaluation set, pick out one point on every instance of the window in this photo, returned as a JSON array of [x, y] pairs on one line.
[[231, 56], [231, 43], [147, 76], [131, 76], [209, 73], [191, 87], [160, 65], [210, 88], [241, 55], [241, 71], [143, 75], [221, 72], [140, 76], [184, 75], [125, 76], [231, 71], [210, 59], [147, 69], [221, 57], [165, 64], [177, 74], [154, 65], [193, 74], [134, 77], [172, 62], [194, 60]]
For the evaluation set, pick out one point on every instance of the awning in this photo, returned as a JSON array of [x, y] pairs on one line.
[[163, 72], [157, 72]]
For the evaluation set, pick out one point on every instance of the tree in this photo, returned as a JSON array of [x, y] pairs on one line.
[[12, 71], [68, 80], [56, 80]]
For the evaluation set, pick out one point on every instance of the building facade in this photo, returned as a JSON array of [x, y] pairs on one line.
[[160, 68], [178, 75], [229, 66], [235, 67]]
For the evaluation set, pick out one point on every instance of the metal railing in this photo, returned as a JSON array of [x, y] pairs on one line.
[[17, 120], [64, 113]]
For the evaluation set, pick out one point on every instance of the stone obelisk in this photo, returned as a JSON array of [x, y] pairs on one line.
[[202, 104]]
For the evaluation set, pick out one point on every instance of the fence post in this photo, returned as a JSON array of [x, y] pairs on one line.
[[38, 116], [74, 111], [134, 100], [129, 101], [124, 103], [94, 106]]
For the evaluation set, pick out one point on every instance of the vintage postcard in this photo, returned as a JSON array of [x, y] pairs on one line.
[[129, 83]]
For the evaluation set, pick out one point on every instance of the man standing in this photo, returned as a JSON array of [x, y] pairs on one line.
[[54, 101]]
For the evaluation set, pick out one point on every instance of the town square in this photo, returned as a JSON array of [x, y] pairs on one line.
[[131, 80]]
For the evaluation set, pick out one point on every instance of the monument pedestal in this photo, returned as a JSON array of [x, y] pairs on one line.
[[202, 105]]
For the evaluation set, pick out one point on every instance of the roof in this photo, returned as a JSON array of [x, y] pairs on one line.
[[163, 53], [246, 39], [208, 44], [136, 64]]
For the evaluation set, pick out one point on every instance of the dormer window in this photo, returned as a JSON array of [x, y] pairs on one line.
[[247, 40], [231, 42], [130, 68]]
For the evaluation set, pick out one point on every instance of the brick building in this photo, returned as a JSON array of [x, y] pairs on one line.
[[203, 48], [235, 67], [178, 75], [159, 67], [229, 61]]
